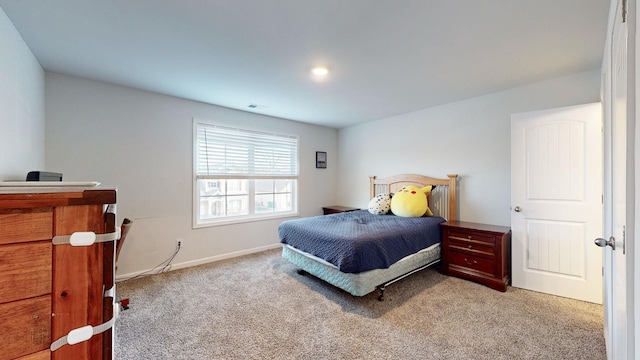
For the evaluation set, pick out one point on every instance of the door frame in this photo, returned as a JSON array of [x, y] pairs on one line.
[[632, 293], [634, 168]]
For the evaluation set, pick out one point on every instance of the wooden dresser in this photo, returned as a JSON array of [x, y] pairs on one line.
[[48, 290], [477, 252]]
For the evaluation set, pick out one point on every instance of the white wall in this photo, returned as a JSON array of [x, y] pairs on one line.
[[470, 138], [142, 143], [21, 105]]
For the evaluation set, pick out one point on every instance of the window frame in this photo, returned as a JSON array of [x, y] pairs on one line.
[[197, 222]]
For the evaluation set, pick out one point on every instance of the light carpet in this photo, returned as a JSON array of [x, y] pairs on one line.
[[258, 307]]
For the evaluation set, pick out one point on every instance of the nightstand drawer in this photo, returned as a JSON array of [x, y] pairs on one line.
[[472, 236], [475, 263], [472, 247]]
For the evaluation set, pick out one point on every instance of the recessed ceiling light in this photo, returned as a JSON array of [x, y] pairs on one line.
[[320, 71]]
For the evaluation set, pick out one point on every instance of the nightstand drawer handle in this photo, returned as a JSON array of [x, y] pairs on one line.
[[470, 263], [469, 237], [470, 247]]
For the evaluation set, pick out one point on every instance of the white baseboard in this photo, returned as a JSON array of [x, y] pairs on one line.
[[207, 260]]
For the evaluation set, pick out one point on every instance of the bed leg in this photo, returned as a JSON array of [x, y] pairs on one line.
[[302, 272], [381, 296]]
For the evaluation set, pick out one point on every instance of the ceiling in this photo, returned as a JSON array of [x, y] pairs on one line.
[[385, 57]]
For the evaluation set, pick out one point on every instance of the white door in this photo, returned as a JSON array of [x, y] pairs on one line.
[[556, 197], [615, 278]]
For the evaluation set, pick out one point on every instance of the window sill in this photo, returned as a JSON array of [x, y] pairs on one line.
[[241, 220]]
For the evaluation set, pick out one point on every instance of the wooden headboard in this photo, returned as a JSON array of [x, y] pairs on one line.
[[442, 200]]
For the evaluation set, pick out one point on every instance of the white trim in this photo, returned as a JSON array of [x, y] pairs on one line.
[[634, 167], [236, 176], [206, 260], [230, 220]]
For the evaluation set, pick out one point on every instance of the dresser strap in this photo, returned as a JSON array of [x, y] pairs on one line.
[[85, 238], [81, 334]]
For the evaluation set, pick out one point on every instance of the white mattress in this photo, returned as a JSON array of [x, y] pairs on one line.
[[359, 284]]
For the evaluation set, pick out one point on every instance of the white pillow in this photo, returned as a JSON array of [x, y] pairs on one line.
[[380, 204]]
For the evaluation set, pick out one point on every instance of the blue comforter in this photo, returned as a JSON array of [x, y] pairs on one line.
[[359, 241]]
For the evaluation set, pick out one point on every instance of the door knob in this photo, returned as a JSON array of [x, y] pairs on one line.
[[517, 209], [604, 243]]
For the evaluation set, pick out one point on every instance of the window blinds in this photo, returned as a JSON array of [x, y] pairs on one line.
[[227, 152]]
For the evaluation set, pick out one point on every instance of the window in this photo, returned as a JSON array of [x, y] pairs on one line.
[[242, 174]]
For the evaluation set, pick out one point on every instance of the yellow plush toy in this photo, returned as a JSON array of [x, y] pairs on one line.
[[411, 201]]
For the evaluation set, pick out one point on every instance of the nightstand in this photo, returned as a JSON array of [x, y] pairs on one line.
[[337, 209], [477, 252]]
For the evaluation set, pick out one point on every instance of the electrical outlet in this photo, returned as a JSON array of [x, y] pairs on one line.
[[179, 243]]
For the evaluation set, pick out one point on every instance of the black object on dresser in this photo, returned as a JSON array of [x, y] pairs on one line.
[[337, 209]]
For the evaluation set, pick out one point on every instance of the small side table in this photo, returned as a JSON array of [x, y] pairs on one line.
[[477, 252], [337, 209]]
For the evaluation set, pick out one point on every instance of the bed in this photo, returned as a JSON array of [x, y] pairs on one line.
[[361, 252]]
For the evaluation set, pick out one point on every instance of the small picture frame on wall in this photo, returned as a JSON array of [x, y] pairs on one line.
[[321, 159]]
